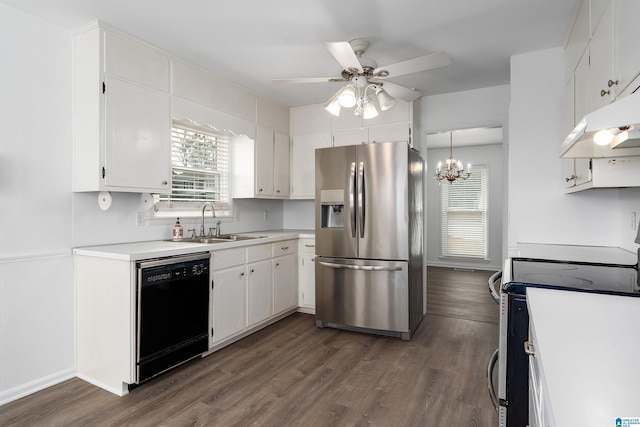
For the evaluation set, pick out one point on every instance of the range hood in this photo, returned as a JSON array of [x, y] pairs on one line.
[[616, 127]]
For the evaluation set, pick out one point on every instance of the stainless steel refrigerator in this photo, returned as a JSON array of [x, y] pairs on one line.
[[369, 238]]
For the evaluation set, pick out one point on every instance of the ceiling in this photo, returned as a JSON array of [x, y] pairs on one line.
[[251, 42]]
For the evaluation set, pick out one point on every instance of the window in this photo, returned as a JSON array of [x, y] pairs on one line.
[[200, 170], [464, 216]]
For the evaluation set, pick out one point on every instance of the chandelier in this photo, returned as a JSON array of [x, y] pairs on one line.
[[453, 168], [356, 94]]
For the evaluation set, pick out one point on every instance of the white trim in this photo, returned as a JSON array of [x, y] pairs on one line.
[[34, 386]]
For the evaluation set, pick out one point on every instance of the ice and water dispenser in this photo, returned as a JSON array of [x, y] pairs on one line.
[[332, 208]]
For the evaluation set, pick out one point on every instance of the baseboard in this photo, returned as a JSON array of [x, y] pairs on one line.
[[23, 390], [467, 266]]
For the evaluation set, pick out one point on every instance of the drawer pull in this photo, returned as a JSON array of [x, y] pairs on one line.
[[529, 348], [285, 248], [309, 246]]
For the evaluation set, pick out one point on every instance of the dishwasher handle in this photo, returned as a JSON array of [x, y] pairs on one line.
[[496, 277], [360, 267]]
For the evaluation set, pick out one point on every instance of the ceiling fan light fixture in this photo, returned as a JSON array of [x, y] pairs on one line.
[[333, 106], [384, 99], [347, 96]]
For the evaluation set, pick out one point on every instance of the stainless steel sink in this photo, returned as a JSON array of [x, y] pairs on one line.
[[219, 239]]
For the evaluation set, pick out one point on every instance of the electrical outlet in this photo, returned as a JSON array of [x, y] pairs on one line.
[[266, 215], [633, 221], [139, 218]]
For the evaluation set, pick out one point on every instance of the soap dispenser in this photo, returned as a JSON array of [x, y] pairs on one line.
[[178, 232]]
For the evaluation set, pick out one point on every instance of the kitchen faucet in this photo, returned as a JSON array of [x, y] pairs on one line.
[[213, 213]]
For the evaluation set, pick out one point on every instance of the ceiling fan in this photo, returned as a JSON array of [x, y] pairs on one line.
[[363, 73]]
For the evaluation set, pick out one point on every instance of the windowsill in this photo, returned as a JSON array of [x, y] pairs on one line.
[[465, 259]]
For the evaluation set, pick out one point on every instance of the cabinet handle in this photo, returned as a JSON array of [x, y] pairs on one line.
[[309, 246], [529, 348], [604, 92], [285, 248], [277, 191], [242, 274], [260, 190], [252, 270], [571, 178], [165, 182], [277, 264], [612, 82]]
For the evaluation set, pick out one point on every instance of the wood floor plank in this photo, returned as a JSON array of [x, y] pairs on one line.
[[294, 374]]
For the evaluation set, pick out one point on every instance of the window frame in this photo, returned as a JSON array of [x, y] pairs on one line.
[[166, 207]]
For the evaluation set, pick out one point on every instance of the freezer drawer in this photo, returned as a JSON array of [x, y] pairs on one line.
[[363, 294]]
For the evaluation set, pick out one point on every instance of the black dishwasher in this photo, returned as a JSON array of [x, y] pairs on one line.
[[172, 312]]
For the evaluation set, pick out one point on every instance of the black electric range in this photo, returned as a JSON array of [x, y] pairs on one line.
[[520, 274]]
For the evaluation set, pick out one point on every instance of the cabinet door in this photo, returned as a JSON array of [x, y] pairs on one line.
[[582, 171], [350, 137], [285, 284], [398, 132], [600, 70], [264, 162], [307, 281], [303, 160], [259, 292], [281, 165], [136, 62], [581, 87], [627, 33], [228, 303], [138, 137]]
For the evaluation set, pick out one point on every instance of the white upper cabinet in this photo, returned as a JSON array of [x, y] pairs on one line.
[[626, 41], [303, 163], [271, 163], [122, 114], [601, 69]]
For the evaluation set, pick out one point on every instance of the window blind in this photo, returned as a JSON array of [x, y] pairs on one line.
[[464, 216], [200, 167]]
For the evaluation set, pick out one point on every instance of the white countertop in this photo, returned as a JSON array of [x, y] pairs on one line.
[[602, 254], [161, 248], [589, 348]]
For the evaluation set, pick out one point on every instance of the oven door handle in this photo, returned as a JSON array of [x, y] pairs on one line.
[[492, 289], [490, 385]]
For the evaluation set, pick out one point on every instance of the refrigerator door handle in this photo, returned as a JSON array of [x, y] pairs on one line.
[[352, 199], [361, 198], [360, 267]]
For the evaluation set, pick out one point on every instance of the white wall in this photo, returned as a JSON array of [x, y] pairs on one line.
[[539, 209], [37, 346], [492, 156]]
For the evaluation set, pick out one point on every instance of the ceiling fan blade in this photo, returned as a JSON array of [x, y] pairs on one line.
[[344, 54], [401, 92], [308, 80], [421, 63]]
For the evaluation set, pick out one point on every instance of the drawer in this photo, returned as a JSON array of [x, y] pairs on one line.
[[285, 247], [258, 252], [228, 258], [308, 246]]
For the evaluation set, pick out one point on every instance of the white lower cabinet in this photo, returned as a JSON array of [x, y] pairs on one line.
[[307, 276], [285, 288], [284, 283], [251, 285], [228, 303], [259, 291]]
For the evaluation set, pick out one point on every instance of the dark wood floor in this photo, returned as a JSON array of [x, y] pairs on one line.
[[294, 374]]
